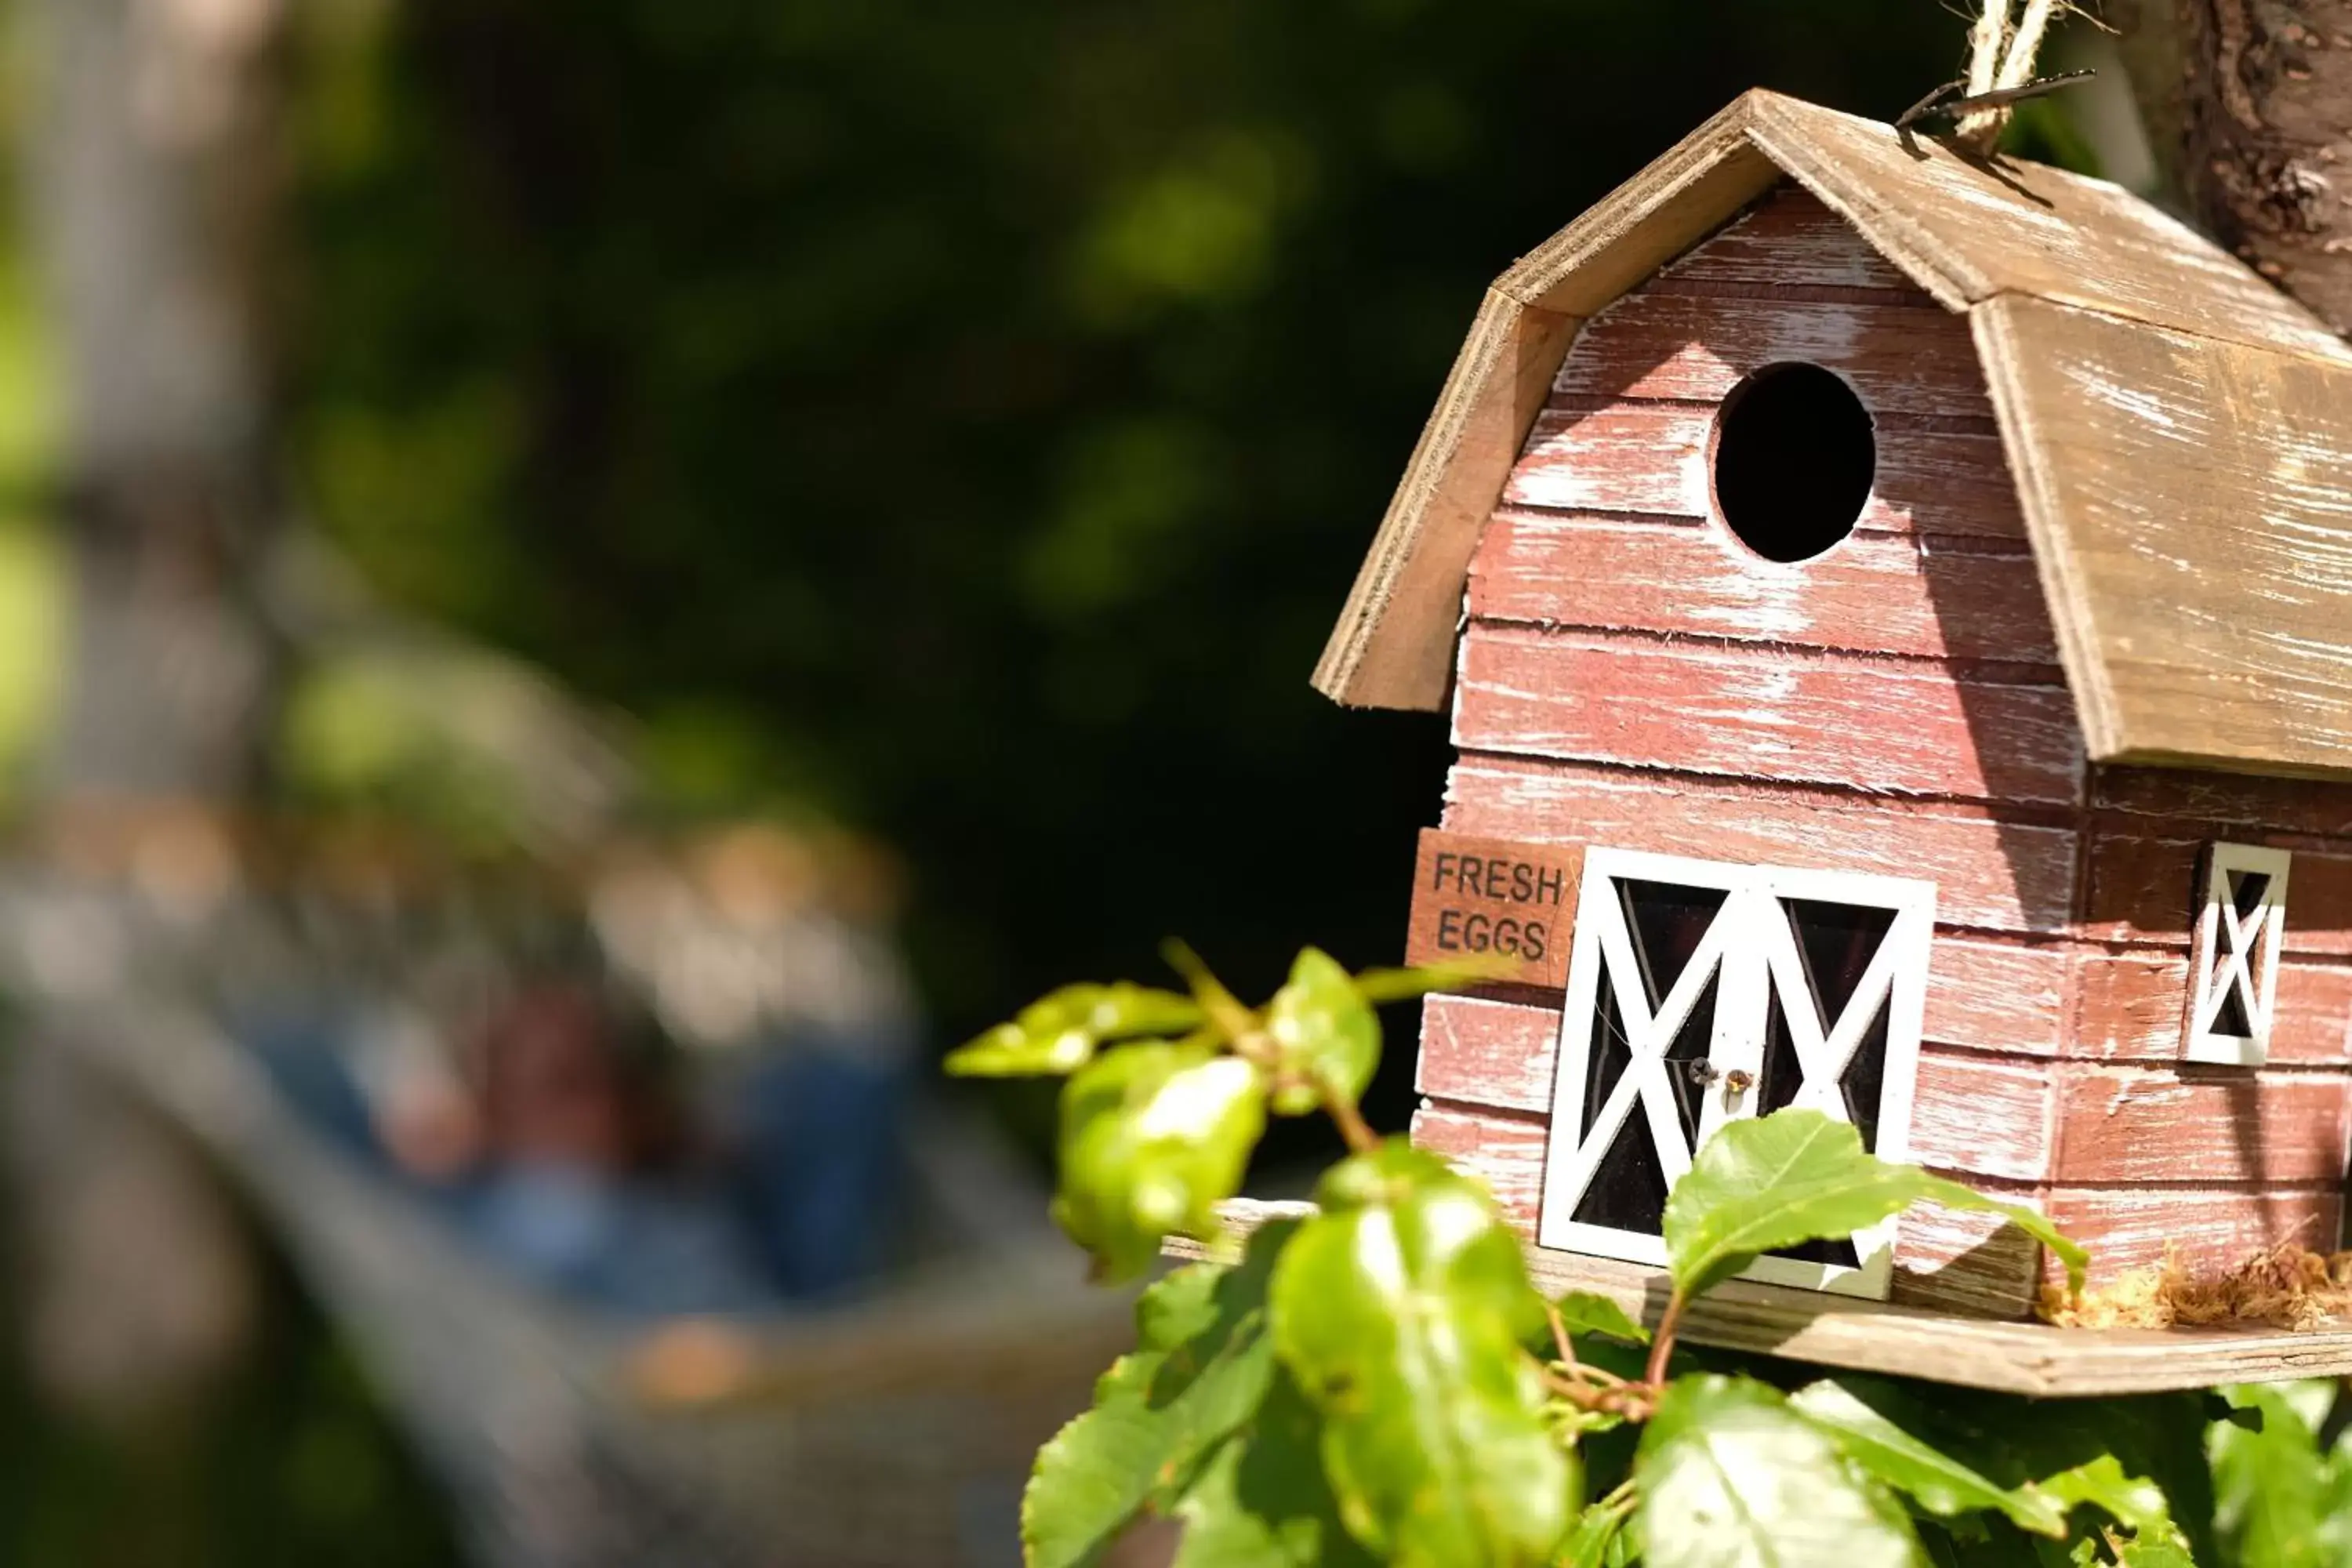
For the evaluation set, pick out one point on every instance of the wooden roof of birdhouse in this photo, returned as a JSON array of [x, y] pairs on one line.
[[2179, 431]]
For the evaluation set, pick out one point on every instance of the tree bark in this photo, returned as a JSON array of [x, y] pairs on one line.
[[154, 170], [2251, 104], [152, 165]]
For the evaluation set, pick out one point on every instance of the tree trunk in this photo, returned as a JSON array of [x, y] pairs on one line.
[[155, 177], [2251, 102], [152, 167]]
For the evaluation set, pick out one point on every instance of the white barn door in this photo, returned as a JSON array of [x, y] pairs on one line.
[[1700, 993]]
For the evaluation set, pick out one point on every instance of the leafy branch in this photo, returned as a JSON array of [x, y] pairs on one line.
[[1380, 1381]]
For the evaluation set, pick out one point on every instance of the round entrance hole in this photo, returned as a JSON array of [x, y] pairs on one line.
[[1794, 458]]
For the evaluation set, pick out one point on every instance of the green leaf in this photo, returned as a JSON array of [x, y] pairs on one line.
[[1326, 1036], [1796, 1176], [1061, 1032], [2149, 1540], [1400, 1308], [1731, 1478], [2064, 1445], [1154, 1136], [1262, 1500], [2136, 1503], [1597, 1530], [2034, 1472], [1934, 1479], [2282, 1502], [1586, 1313], [1986, 1541], [1203, 1363]]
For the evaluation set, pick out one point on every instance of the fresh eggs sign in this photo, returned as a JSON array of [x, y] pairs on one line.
[[1486, 899]]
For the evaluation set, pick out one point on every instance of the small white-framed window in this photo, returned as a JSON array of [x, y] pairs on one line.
[[2234, 957], [1699, 992]]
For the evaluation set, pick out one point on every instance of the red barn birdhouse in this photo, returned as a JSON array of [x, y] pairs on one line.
[[1905, 671]]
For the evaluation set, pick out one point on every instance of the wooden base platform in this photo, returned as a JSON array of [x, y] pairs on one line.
[[1866, 1336]]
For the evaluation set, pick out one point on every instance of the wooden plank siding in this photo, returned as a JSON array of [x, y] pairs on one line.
[[2128, 1008], [1630, 675], [1993, 870], [1874, 593], [2139, 878], [2204, 1229], [2198, 1126], [1650, 459], [1792, 716], [1904, 361], [1792, 242], [2225, 803], [1958, 697]]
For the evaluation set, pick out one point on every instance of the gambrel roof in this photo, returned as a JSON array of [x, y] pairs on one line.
[[2179, 432]]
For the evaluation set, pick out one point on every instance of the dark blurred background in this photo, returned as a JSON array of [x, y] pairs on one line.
[[948, 430], [967, 421]]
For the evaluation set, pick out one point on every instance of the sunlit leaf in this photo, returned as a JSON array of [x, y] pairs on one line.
[[1935, 1480], [1261, 1501], [1795, 1176], [1402, 1309], [1154, 1136], [2280, 1502], [1586, 1313], [1201, 1365], [1597, 1530], [2137, 1503], [2167, 1551], [2081, 1466], [1326, 1036], [1731, 1478], [1061, 1032]]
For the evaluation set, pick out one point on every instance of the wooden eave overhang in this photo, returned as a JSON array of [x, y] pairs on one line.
[[2180, 432]]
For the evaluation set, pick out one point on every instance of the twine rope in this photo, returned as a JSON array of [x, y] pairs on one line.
[[2002, 48]]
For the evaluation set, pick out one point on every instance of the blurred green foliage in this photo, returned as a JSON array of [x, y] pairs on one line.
[[32, 588], [2283, 1484]]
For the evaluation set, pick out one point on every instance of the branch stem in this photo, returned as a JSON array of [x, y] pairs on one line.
[[1560, 1338], [1633, 1401], [1357, 1132], [1661, 1344]]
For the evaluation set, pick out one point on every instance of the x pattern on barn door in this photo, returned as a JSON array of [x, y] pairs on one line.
[[1699, 992]]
